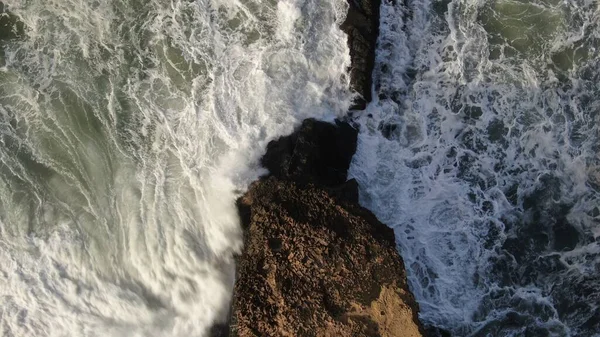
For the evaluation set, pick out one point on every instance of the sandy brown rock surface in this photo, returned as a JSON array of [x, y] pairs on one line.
[[317, 266], [315, 262]]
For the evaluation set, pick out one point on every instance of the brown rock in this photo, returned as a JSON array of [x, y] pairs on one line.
[[315, 262], [314, 265]]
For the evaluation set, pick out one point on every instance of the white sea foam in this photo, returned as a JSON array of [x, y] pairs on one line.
[[128, 128], [486, 172]]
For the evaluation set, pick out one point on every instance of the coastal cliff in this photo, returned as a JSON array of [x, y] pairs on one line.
[[315, 262]]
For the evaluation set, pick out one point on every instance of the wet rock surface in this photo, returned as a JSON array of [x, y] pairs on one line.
[[362, 27], [317, 152]]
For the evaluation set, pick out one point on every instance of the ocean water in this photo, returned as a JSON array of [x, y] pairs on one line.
[[127, 130], [482, 151], [129, 127]]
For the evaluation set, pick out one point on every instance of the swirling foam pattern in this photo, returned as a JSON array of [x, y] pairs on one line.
[[127, 129]]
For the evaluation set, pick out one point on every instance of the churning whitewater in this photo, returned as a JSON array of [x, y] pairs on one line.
[[482, 151], [127, 130]]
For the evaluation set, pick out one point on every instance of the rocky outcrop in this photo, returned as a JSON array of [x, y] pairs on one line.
[[316, 263], [362, 27]]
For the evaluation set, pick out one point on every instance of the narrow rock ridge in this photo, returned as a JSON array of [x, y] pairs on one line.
[[315, 262], [362, 27]]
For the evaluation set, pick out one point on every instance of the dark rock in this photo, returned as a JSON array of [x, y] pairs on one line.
[[432, 331], [362, 27], [219, 330], [318, 152], [347, 191]]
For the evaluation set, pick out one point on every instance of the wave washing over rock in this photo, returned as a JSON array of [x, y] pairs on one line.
[[128, 128], [316, 263]]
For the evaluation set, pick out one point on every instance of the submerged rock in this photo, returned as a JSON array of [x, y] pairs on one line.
[[315, 262]]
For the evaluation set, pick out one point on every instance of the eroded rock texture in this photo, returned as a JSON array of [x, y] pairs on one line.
[[316, 263]]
